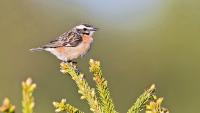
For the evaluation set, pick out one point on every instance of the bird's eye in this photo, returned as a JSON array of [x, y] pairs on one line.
[[84, 29]]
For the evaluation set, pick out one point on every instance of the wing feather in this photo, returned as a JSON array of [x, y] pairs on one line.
[[68, 39]]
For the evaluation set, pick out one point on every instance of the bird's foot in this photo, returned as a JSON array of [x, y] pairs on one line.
[[73, 64]]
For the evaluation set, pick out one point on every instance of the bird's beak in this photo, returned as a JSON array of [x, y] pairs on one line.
[[94, 29]]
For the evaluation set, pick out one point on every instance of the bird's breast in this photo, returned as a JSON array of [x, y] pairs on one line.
[[85, 45], [87, 39]]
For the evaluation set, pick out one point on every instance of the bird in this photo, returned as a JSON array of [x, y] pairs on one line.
[[71, 45]]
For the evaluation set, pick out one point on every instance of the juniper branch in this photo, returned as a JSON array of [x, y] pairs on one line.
[[7, 107], [142, 100], [63, 106], [154, 106], [28, 99], [84, 89], [102, 87]]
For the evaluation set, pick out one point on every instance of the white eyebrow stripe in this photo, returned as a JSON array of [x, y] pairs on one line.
[[80, 27]]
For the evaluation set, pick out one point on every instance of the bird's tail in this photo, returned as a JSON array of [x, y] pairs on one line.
[[37, 49]]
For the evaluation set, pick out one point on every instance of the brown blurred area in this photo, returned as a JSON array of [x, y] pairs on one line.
[[139, 43]]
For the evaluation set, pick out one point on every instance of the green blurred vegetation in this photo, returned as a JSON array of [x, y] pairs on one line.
[[139, 43]]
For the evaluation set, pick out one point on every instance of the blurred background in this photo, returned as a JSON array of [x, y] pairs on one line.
[[140, 42]]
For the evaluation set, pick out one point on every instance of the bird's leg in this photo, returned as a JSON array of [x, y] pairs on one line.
[[69, 61], [74, 65], [72, 62], [65, 62]]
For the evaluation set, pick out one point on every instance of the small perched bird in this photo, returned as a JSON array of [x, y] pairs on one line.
[[72, 44]]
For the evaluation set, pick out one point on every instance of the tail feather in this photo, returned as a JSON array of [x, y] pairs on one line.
[[37, 49]]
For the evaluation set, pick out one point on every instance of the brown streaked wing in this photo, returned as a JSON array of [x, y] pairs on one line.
[[72, 39], [67, 39]]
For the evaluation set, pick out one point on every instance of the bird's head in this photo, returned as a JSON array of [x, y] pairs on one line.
[[85, 29]]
